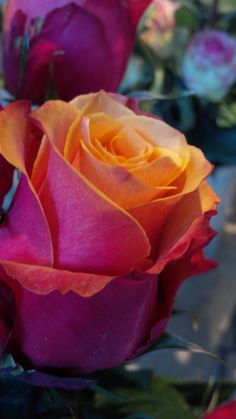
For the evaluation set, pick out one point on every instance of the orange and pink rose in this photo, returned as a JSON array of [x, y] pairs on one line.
[[110, 216]]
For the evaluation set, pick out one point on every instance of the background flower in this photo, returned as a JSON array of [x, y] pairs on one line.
[[109, 218], [209, 64], [225, 411], [64, 48], [159, 26]]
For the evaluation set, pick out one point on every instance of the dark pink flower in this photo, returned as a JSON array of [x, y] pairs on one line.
[[225, 411], [66, 48]]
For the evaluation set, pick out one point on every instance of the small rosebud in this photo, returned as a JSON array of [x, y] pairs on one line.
[[209, 64]]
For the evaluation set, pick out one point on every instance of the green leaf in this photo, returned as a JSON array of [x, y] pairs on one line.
[[226, 115], [106, 393], [160, 401], [185, 17], [145, 96], [169, 341], [8, 364]]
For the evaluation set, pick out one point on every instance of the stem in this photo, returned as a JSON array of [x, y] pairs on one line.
[[214, 13]]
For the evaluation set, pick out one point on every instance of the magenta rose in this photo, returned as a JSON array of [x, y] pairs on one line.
[[225, 411], [66, 48], [110, 217]]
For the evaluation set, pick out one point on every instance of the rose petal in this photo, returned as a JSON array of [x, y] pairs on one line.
[[56, 118], [137, 8], [225, 411], [24, 235], [19, 140], [169, 221], [43, 280], [116, 182], [90, 233], [197, 169], [158, 133], [92, 333], [69, 75], [169, 281], [102, 102], [35, 83], [26, 238]]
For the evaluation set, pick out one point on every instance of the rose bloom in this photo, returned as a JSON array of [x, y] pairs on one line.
[[225, 411], [159, 27], [65, 48], [209, 64], [110, 216]]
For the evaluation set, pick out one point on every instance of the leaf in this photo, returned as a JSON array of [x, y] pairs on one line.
[[169, 341], [185, 17], [8, 365], [106, 393], [226, 115], [145, 96], [159, 400], [42, 379]]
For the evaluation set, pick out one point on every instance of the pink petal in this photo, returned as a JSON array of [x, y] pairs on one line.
[[92, 333], [24, 235], [90, 233]]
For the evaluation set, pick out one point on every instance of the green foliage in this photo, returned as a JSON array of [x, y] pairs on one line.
[[159, 400], [226, 115]]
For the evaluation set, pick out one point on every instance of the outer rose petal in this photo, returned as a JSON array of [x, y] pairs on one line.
[[92, 333], [102, 102], [171, 223], [25, 239], [192, 263], [24, 235], [18, 144], [95, 333], [43, 280], [68, 73], [225, 411]]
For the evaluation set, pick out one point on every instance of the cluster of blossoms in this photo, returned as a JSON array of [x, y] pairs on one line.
[[208, 63], [112, 208]]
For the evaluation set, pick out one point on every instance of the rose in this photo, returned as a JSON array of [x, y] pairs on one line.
[[69, 47], [225, 411], [209, 64], [159, 27], [110, 216]]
